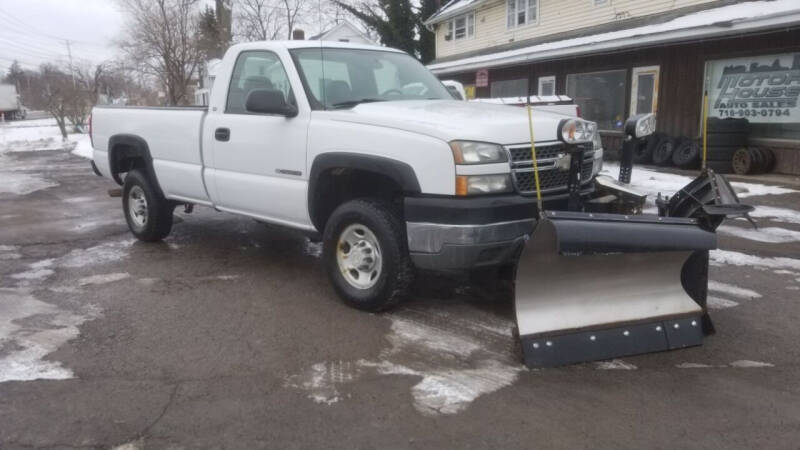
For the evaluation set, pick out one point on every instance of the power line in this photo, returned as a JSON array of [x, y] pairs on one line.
[[33, 30]]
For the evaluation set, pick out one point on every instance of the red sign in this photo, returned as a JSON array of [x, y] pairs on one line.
[[482, 78]]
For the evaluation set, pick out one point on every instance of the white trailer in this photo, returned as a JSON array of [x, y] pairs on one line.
[[10, 104]]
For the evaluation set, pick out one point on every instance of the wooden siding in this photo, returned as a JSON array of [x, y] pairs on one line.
[[555, 16]]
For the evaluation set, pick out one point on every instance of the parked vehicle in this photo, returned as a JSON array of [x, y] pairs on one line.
[[559, 104], [10, 103], [456, 89], [363, 148]]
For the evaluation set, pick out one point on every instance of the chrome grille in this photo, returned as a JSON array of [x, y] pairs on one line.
[[551, 179]]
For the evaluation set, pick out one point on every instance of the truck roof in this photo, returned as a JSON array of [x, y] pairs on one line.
[[271, 45]]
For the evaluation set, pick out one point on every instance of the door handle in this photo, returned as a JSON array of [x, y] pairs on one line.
[[222, 134]]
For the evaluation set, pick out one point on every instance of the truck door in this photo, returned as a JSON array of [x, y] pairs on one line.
[[259, 160]]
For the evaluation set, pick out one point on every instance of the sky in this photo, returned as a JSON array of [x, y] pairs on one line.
[[36, 31]]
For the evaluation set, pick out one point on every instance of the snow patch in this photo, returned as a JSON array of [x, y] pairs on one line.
[[22, 183], [615, 364], [103, 278], [733, 290], [8, 252], [688, 365], [457, 360], [720, 303], [777, 214], [31, 329], [321, 379], [770, 235], [744, 363], [38, 271], [83, 146], [99, 254], [720, 257]]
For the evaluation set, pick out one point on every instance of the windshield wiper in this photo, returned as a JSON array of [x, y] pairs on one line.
[[356, 102]]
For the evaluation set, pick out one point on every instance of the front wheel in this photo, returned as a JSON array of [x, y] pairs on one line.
[[366, 255], [148, 213]]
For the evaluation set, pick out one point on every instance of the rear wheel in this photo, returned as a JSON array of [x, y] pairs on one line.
[[148, 213], [366, 255]]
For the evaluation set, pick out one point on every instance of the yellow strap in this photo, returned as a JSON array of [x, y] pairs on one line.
[[705, 128], [535, 164]]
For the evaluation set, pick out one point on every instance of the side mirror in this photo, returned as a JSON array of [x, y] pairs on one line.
[[269, 101], [640, 125]]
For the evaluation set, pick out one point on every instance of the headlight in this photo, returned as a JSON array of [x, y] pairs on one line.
[[598, 141], [597, 164], [466, 152], [482, 184], [640, 125], [576, 131]]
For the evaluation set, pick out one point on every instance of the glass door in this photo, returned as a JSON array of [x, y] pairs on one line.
[[644, 90]]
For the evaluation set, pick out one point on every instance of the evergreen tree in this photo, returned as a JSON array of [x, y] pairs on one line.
[[427, 38], [393, 20]]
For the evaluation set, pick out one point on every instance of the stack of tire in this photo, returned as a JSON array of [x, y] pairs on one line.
[[724, 138], [664, 150], [727, 150]]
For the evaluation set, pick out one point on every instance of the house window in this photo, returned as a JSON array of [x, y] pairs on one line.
[[522, 12], [601, 96], [509, 88], [461, 27], [547, 86]]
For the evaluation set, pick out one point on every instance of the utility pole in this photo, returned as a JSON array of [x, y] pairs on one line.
[[71, 71]]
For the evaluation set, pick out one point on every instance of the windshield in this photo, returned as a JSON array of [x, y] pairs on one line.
[[336, 78]]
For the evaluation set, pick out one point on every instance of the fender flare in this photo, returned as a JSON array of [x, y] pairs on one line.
[[400, 172], [139, 148]]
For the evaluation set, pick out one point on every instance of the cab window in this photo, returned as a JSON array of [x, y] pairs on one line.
[[256, 70]]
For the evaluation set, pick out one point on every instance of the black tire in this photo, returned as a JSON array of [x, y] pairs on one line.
[[721, 153], [742, 161], [686, 154], [396, 272], [758, 159], [643, 153], [720, 166], [157, 214], [769, 157], [727, 139], [717, 125], [662, 154]]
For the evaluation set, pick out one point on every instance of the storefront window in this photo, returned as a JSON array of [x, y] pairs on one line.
[[601, 96], [509, 88], [763, 89]]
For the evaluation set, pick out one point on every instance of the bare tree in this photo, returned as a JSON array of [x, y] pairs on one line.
[[161, 38], [291, 8], [261, 20], [55, 96], [258, 20]]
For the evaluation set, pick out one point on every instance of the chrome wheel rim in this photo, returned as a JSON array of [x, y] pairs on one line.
[[137, 207], [358, 255]]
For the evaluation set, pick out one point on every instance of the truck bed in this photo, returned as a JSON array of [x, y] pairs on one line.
[[173, 137]]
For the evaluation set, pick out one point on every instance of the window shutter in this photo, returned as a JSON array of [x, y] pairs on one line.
[[532, 11], [470, 25], [511, 13]]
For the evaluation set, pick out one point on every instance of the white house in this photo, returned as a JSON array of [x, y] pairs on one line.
[[344, 31]]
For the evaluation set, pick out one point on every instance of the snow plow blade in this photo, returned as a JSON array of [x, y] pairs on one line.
[[598, 286]]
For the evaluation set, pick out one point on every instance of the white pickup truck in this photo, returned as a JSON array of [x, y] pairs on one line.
[[360, 146]]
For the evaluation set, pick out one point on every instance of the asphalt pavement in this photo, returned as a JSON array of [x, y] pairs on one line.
[[227, 335]]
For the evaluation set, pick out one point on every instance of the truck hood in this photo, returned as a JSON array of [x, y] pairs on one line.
[[449, 120]]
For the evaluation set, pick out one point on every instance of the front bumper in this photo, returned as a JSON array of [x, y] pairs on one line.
[[464, 233]]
